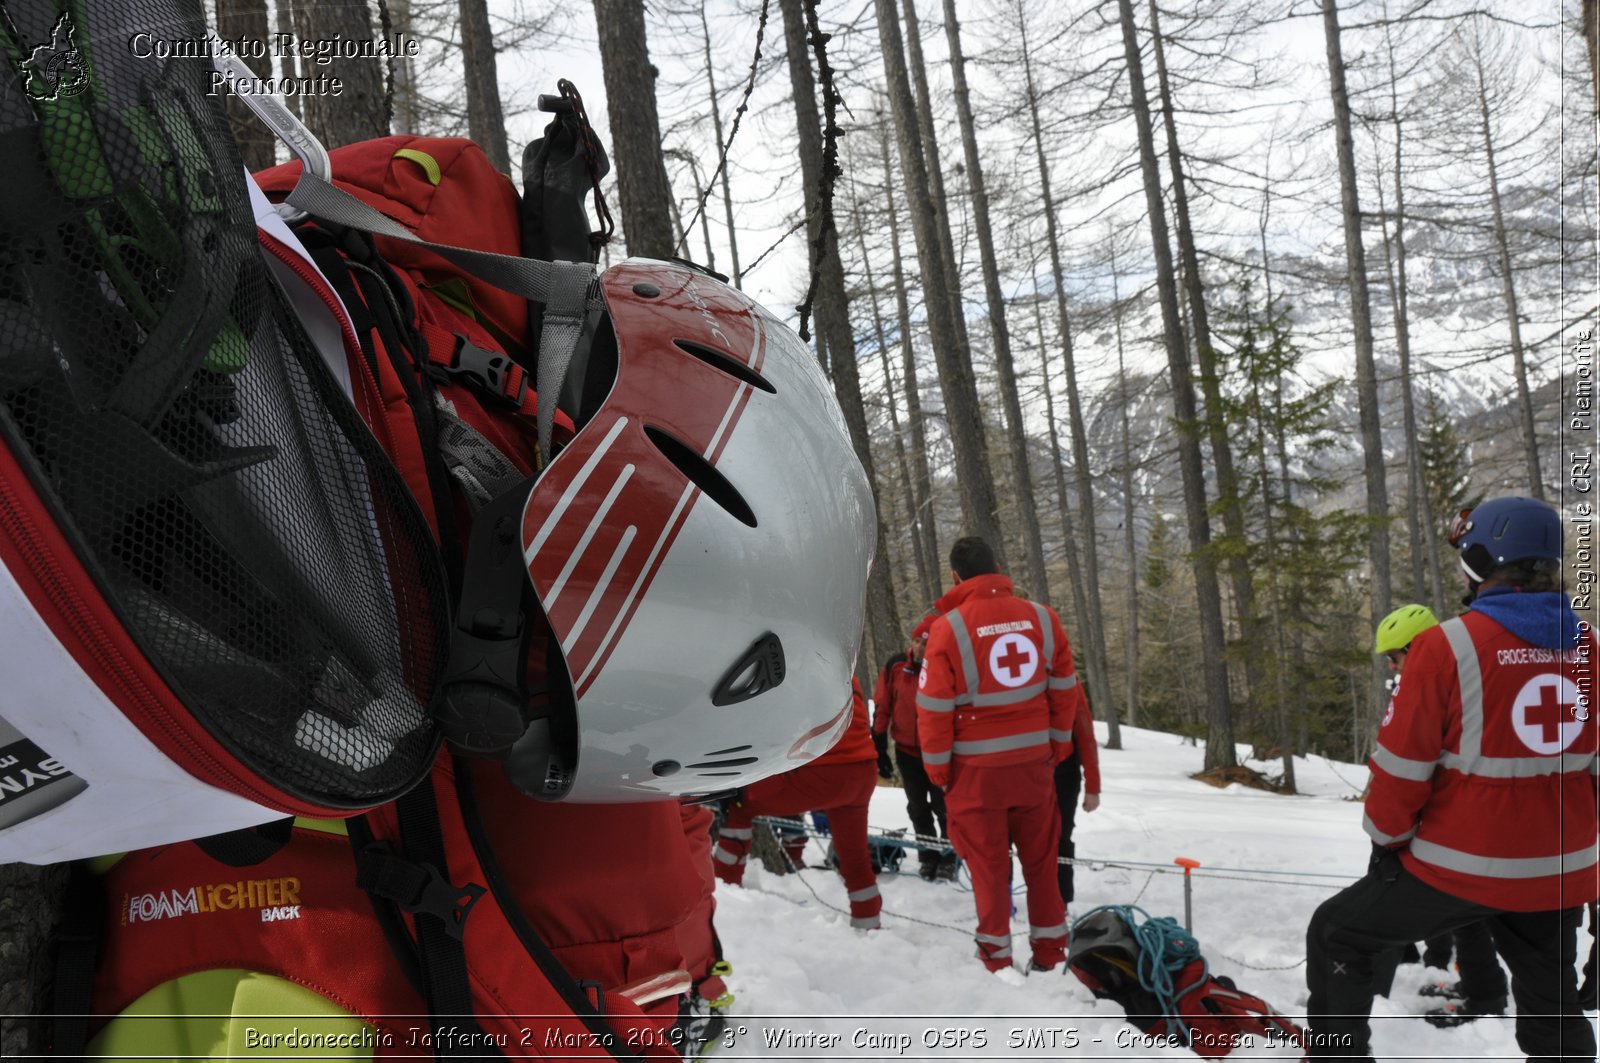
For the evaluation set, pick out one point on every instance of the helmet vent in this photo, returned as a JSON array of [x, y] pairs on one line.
[[757, 671], [702, 474], [730, 749], [736, 762], [726, 363]]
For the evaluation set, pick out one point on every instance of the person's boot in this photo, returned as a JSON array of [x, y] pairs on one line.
[[1459, 1013], [928, 869], [949, 864]]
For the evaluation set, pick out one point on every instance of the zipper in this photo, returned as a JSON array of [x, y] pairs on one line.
[[71, 608]]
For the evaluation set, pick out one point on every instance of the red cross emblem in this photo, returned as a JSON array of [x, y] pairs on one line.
[[1013, 660], [1543, 713]]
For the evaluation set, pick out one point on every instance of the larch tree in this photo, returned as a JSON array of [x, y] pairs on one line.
[[941, 293], [486, 120], [884, 635], [924, 524], [361, 111], [1361, 320], [1093, 637], [999, 334], [643, 192], [248, 19], [1218, 699]]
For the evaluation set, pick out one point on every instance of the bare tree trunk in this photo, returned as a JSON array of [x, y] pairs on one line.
[[716, 126], [407, 104], [642, 186], [1590, 25], [1069, 533], [1099, 669], [1219, 712], [1016, 434], [1129, 543], [1295, 619], [923, 523], [1361, 321], [976, 483], [486, 121], [1205, 355], [884, 635], [361, 111], [248, 19], [902, 465], [1519, 363], [1419, 509]]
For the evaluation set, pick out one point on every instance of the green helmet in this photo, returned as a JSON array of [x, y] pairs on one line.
[[1396, 630]]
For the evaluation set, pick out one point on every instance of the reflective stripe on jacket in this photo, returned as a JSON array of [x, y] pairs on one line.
[[997, 684], [1485, 771]]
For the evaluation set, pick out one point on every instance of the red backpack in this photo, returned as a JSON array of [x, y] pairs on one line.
[[1153, 968], [456, 876]]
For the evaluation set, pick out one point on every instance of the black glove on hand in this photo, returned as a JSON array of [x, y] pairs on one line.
[[885, 765]]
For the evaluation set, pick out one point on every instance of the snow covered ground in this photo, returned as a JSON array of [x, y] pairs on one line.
[[809, 987]]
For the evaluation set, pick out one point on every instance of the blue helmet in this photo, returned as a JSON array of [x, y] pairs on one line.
[[1503, 530]]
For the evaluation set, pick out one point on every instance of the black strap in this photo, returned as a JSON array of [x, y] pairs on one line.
[[77, 952], [572, 993], [378, 302], [248, 846], [387, 912], [440, 911]]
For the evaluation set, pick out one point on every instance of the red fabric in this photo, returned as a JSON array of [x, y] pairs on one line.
[[1088, 748], [894, 700], [990, 809], [1543, 816], [1004, 630], [564, 863], [842, 790], [480, 212], [856, 742], [697, 934]]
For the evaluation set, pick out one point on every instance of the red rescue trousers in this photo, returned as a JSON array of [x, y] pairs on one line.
[[990, 808], [843, 792]]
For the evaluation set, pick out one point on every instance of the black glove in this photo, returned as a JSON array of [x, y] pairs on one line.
[[885, 765]]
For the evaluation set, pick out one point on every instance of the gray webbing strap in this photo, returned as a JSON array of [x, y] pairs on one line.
[[483, 472], [568, 290]]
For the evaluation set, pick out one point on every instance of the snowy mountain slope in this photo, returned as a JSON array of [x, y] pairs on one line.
[[809, 987]]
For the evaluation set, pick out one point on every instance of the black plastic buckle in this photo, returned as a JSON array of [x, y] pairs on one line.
[[420, 889], [489, 370]]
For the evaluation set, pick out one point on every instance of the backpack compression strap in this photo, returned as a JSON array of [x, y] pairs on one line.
[[568, 290]]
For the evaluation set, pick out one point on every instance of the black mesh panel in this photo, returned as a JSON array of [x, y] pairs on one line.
[[241, 521]]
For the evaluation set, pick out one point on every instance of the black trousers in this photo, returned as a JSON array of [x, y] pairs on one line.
[[924, 802], [1390, 907], [1069, 780]]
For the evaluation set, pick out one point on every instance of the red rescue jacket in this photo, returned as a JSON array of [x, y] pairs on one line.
[[1484, 772], [997, 684], [894, 701], [856, 743]]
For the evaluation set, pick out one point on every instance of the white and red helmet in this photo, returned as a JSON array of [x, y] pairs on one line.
[[700, 551]]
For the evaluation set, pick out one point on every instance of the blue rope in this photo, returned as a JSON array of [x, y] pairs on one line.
[[1165, 949]]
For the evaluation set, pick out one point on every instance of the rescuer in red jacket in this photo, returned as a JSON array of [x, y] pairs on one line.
[[1483, 801], [894, 716], [996, 707], [840, 782]]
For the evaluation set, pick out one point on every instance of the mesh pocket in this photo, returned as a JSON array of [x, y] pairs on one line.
[[238, 517]]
